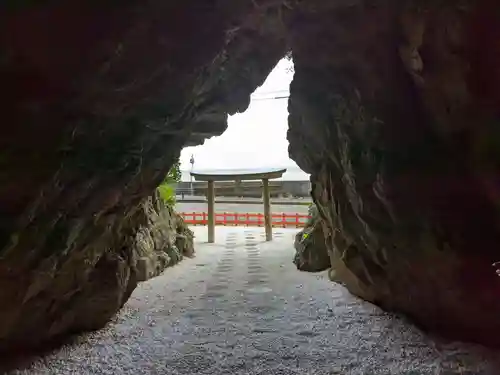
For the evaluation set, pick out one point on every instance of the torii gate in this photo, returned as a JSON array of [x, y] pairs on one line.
[[238, 175]]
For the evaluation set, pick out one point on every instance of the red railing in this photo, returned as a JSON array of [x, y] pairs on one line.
[[245, 219]]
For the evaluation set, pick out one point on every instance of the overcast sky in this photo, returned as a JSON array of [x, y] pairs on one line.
[[255, 138]]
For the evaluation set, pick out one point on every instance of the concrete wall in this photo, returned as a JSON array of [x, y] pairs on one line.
[[297, 188], [249, 188]]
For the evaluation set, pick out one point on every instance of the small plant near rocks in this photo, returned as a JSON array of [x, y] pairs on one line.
[[167, 187], [311, 252]]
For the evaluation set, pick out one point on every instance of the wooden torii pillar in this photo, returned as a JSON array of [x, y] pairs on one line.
[[239, 175], [211, 211], [268, 223]]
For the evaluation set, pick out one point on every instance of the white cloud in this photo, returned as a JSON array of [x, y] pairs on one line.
[[255, 138]]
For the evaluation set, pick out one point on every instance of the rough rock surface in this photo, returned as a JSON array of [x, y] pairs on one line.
[[151, 239], [162, 240], [311, 253], [99, 98], [393, 110]]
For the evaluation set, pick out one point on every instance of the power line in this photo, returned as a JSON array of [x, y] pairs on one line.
[[273, 92], [272, 98], [270, 92]]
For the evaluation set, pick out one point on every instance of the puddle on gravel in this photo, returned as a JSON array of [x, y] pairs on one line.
[[264, 330], [256, 282], [259, 290], [214, 295], [254, 266], [308, 333], [257, 274], [263, 309], [224, 268], [218, 287]]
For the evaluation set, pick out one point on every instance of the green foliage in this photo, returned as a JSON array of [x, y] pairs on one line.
[[167, 193], [166, 189], [174, 174]]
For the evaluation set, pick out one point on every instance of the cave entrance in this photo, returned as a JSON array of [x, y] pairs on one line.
[[255, 138], [255, 141]]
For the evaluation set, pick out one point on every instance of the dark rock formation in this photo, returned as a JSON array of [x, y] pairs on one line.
[[161, 241], [97, 101], [393, 109], [311, 253]]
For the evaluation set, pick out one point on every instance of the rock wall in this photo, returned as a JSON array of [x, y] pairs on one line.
[[82, 290], [393, 110], [311, 253], [393, 115], [162, 239], [98, 100]]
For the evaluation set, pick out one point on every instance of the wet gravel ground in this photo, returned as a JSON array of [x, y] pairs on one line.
[[240, 307]]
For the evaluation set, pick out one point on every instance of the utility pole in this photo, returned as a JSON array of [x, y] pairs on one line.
[[191, 176]]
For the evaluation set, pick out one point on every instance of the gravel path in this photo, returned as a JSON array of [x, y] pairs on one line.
[[240, 307]]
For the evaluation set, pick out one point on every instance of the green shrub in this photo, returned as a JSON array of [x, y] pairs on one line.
[[174, 174], [166, 188], [167, 193]]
